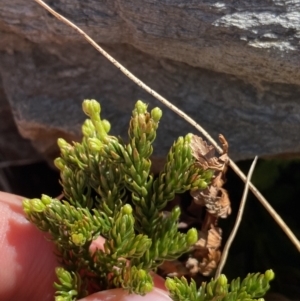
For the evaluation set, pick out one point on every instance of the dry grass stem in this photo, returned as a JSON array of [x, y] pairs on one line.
[[259, 196], [237, 221], [280, 222]]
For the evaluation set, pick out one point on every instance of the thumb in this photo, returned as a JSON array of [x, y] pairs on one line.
[[120, 294], [27, 260]]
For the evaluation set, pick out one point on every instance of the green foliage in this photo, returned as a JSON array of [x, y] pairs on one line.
[[67, 289], [252, 287], [109, 190]]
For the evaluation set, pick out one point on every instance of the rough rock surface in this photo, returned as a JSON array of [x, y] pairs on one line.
[[231, 65]]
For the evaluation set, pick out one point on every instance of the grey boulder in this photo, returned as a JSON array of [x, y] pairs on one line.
[[233, 66]]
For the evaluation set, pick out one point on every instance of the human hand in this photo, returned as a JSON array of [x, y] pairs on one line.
[[27, 261]]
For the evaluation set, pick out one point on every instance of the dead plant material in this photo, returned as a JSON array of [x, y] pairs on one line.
[[205, 154], [206, 266], [205, 257], [209, 264], [214, 197], [237, 222], [173, 268]]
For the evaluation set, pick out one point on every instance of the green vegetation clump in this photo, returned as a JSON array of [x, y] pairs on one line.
[[252, 287], [109, 190]]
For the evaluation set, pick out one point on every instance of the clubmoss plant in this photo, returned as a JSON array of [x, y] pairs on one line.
[[109, 190], [252, 287]]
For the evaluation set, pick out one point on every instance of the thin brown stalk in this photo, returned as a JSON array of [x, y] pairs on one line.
[[237, 221], [259, 196], [280, 222]]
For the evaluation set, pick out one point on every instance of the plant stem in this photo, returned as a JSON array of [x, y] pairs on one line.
[[237, 221]]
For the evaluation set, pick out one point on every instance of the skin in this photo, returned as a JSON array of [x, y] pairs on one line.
[[27, 261]]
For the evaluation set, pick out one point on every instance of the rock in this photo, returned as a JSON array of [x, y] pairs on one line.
[[232, 66], [12, 146]]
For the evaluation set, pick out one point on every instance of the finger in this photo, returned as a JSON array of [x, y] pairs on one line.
[[26, 258], [120, 294], [159, 282]]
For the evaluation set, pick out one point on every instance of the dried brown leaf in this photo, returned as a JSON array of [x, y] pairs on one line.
[[210, 240], [173, 268], [215, 199], [210, 263], [214, 238], [218, 180], [202, 197], [205, 154], [200, 148], [202, 240], [224, 203], [192, 265], [220, 206], [224, 143]]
